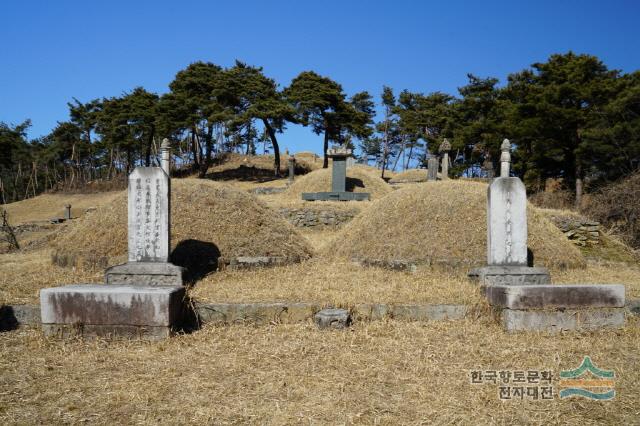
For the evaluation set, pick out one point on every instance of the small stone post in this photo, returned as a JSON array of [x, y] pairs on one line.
[[505, 158], [445, 147], [67, 212], [292, 169], [432, 167], [165, 154]]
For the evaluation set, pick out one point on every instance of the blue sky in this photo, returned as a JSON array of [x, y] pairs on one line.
[[55, 50]]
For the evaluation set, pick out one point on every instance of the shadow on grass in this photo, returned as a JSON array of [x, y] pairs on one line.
[[200, 258]]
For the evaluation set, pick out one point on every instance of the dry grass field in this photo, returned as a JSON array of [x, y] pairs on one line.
[[381, 372]]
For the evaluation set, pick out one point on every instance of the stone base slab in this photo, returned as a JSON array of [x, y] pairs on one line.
[[510, 275], [556, 296], [98, 309], [562, 320], [336, 196], [112, 332], [332, 318], [145, 273]]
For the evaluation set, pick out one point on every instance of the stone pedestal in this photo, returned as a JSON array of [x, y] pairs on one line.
[[332, 318], [145, 273], [89, 310], [510, 275], [555, 308]]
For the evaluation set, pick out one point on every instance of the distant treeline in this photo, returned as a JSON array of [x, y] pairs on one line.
[[570, 118]]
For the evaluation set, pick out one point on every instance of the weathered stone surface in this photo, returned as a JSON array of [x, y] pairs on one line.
[[255, 313], [336, 196], [371, 311], [96, 304], [633, 306], [247, 262], [114, 332], [562, 320], [148, 215], [339, 174], [556, 296], [428, 312], [507, 222], [67, 212], [332, 318], [309, 218], [510, 275], [432, 168], [266, 190], [579, 230], [12, 316], [145, 273], [394, 265]]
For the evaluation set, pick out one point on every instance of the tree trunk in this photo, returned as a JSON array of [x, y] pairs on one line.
[[325, 162], [204, 166], [147, 155], [276, 147], [579, 186]]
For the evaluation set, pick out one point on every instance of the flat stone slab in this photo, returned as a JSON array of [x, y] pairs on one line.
[[563, 320], [255, 313], [146, 274], [332, 318], [96, 309], [510, 275], [556, 296], [336, 196]]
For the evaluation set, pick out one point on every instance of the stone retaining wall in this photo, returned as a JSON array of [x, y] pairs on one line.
[[580, 231], [309, 218]]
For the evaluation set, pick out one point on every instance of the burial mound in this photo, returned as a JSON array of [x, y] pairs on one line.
[[209, 220], [442, 223]]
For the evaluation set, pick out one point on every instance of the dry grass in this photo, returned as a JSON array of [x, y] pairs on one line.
[[384, 372], [629, 275], [411, 175], [359, 179], [22, 275], [339, 283], [45, 206], [443, 222], [237, 223]]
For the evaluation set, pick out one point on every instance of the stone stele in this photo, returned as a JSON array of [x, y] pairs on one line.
[[507, 222], [149, 206]]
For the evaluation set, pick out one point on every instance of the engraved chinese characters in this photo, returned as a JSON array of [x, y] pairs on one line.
[[148, 215]]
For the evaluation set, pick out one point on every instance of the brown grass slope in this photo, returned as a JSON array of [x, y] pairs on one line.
[[359, 179], [443, 222], [234, 221], [411, 175]]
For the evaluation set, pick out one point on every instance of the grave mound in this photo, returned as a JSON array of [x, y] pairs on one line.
[[411, 175], [210, 220], [359, 179], [442, 223]]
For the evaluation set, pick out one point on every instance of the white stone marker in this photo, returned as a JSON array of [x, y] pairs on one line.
[[445, 147], [506, 217], [148, 215]]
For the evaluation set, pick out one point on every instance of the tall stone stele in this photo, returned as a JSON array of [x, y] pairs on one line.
[[507, 253], [143, 298], [444, 149], [292, 169], [149, 229]]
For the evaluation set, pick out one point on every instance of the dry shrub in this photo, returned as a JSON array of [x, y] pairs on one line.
[[559, 200], [617, 207], [207, 212], [443, 223], [359, 179]]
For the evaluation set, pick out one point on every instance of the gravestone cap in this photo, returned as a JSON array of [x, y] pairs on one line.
[[445, 146], [338, 151]]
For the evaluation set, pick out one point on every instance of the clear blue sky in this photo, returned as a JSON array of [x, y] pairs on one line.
[[55, 50]]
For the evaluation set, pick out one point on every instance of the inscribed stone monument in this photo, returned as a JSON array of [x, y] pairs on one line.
[[432, 168], [445, 147], [144, 298], [338, 180], [507, 254]]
